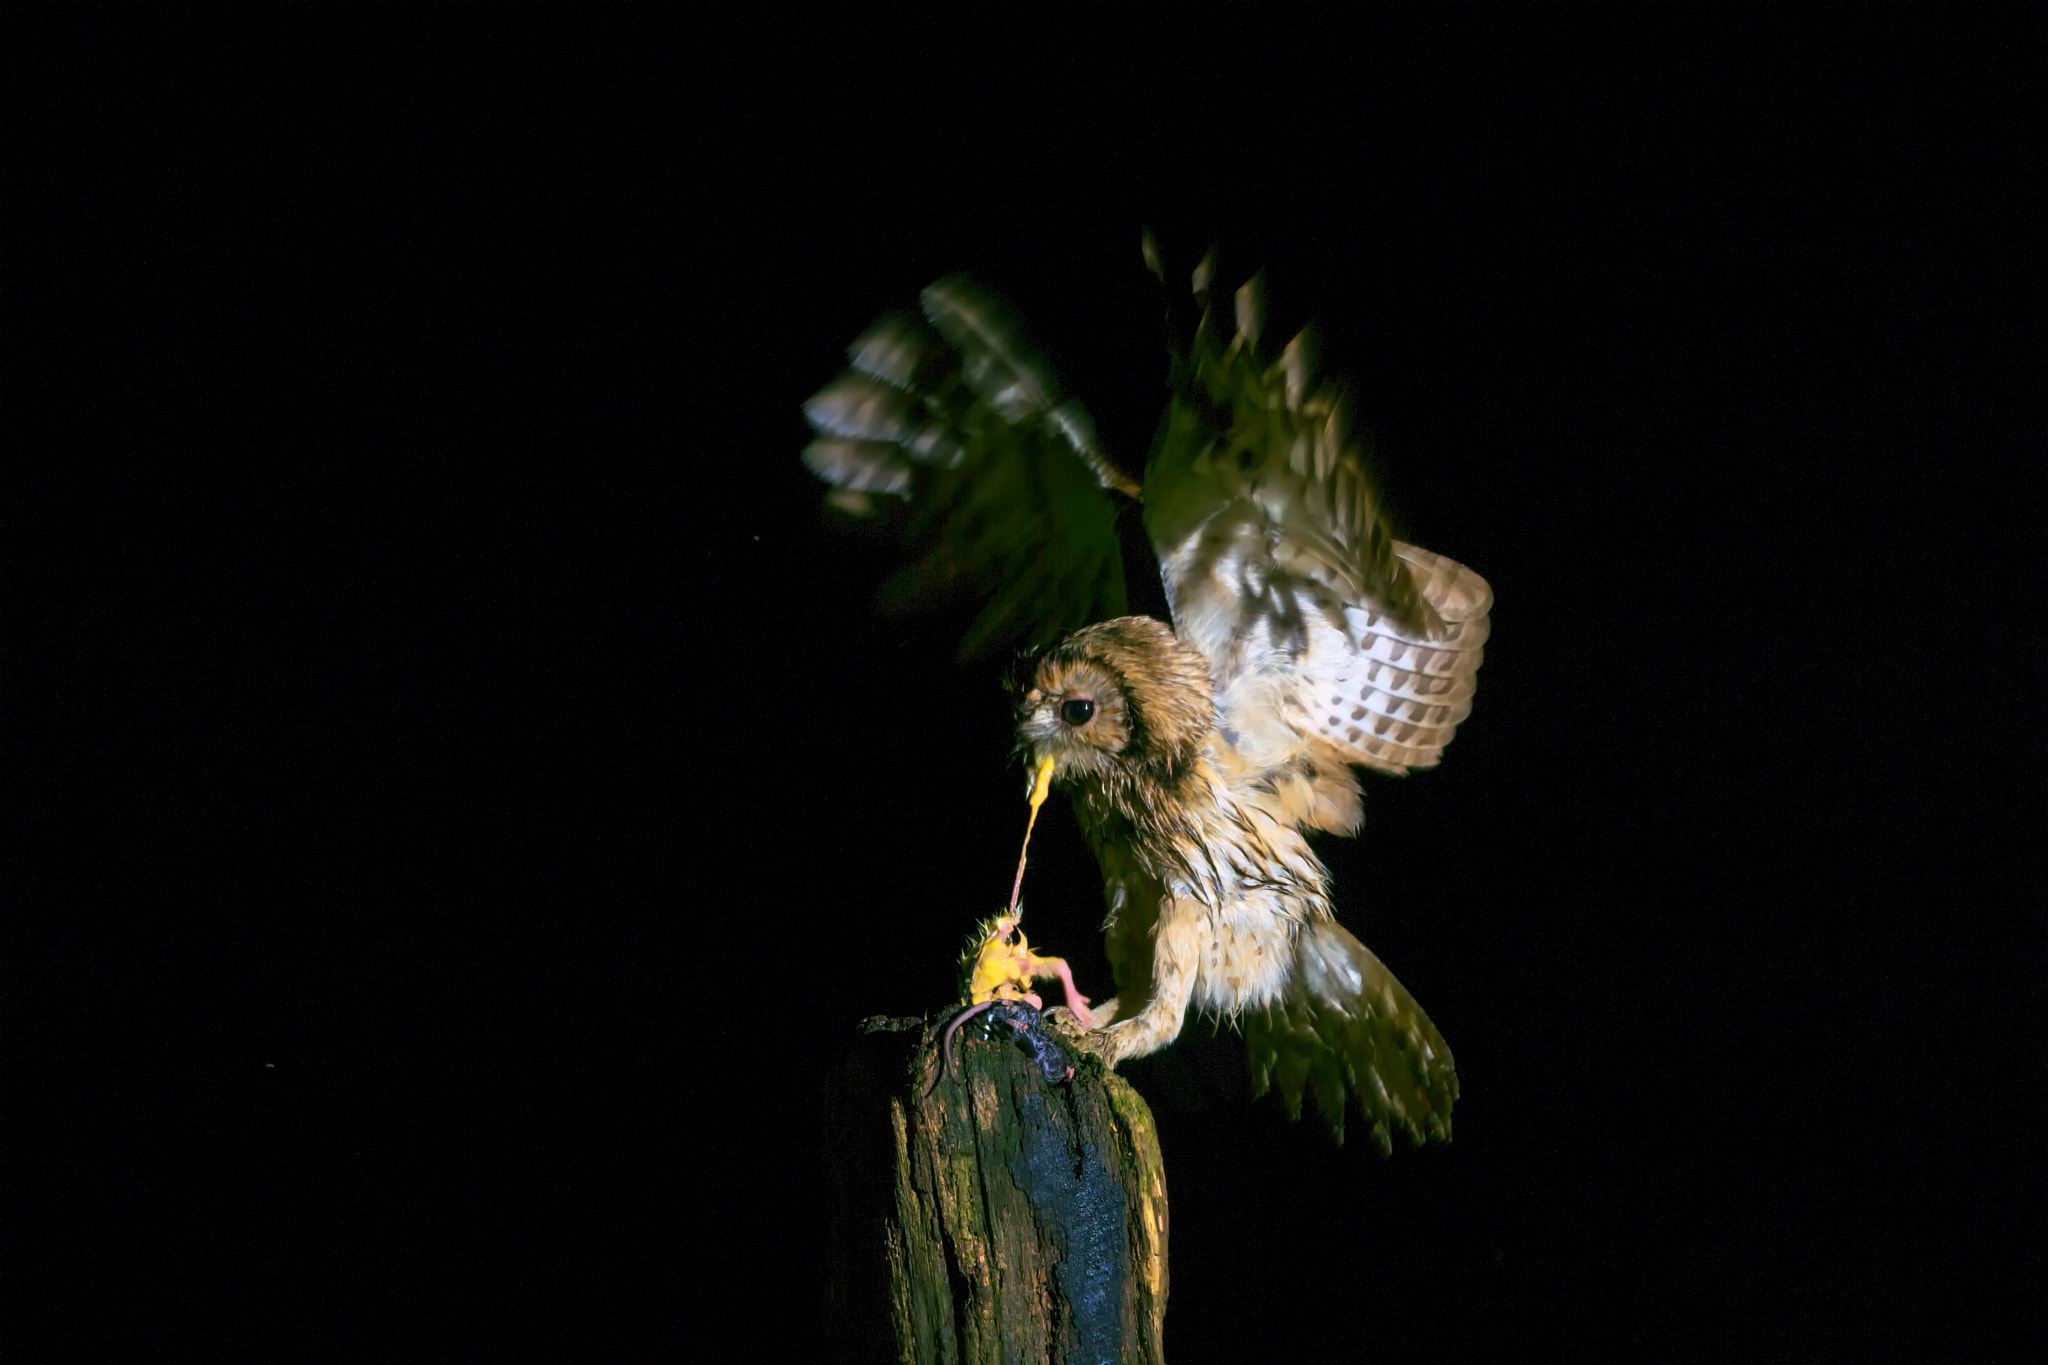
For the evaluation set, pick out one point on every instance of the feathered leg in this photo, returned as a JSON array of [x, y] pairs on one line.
[[1180, 941]]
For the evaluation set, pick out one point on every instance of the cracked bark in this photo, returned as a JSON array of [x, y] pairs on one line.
[[1000, 1218]]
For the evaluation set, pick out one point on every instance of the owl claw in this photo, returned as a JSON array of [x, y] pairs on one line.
[[1068, 1021], [1211, 747]]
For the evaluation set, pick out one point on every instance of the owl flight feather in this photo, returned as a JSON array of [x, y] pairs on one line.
[[1306, 641]]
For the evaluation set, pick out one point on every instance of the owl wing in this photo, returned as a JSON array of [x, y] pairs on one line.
[[1331, 644], [1344, 1021], [1327, 637], [1004, 491]]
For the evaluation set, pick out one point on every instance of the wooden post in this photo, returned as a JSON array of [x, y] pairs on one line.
[[1003, 1217]]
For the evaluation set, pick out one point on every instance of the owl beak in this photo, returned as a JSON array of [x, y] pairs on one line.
[[1041, 782]]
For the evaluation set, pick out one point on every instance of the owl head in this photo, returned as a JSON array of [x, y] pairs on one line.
[[1117, 702]]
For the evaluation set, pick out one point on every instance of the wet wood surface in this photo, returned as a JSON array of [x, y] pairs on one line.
[[996, 1215]]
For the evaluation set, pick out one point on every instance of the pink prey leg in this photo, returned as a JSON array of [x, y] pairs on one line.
[[1076, 1001]]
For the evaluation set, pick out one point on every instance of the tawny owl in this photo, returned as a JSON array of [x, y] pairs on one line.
[[1306, 640]]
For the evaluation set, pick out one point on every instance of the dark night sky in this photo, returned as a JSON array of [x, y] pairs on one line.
[[470, 798]]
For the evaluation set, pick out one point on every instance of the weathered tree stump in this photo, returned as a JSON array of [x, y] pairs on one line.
[[1001, 1217]]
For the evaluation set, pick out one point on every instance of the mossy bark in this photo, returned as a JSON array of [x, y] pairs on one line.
[[999, 1217]]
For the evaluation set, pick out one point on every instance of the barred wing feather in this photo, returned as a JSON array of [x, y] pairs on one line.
[[1282, 570], [1004, 490]]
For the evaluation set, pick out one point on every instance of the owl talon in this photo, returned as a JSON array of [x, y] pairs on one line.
[[1306, 641], [1066, 1023], [1097, 1043]]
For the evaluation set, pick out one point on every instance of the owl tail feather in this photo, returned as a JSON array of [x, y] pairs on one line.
[[1346, 1022]]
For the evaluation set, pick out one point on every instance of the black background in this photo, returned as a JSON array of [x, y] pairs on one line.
[[469, 798]]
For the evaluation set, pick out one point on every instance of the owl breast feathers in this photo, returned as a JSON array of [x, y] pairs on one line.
[[1306, 640]]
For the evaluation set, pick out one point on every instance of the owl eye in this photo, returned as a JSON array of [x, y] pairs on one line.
[[1077, 712]]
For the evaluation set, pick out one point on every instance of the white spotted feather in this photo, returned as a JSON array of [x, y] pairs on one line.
[[1328, 644]]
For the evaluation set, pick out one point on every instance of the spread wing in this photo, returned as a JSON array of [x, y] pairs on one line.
[[1345, 1020], [1004, 492], [1330, 644], [1328, 639]]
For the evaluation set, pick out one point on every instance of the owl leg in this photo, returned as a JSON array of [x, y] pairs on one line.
[[1177, 949]]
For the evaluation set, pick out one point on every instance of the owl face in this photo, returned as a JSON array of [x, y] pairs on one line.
[[1123, 699], [1075, 713]]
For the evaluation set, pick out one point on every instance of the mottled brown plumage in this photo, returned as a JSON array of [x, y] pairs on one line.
[[1306, 640], [1215, 899]]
